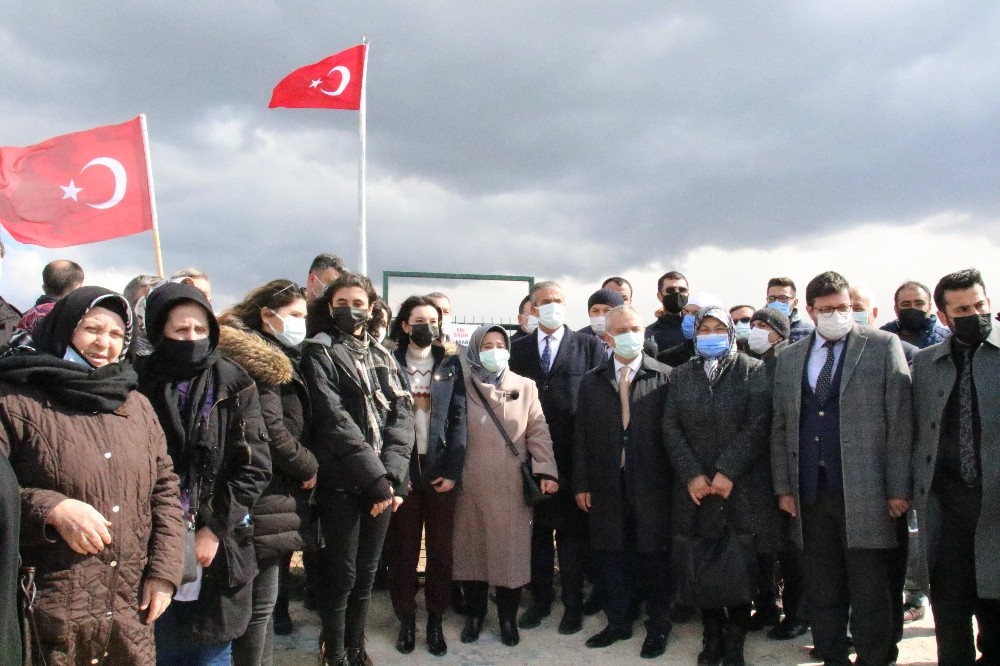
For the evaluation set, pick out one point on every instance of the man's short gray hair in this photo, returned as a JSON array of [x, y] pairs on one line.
[[621, 309], [538, 286]]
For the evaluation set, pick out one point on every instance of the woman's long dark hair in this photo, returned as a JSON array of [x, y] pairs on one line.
[[273, 295], [318, 319], [403, 316]]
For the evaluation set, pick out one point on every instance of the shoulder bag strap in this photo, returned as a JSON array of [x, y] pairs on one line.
[[496, 419]]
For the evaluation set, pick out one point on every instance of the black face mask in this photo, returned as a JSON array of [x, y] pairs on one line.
[[973, 329], [422, 335], [348, 319], [185, 352], [912, 319], [674, 302]]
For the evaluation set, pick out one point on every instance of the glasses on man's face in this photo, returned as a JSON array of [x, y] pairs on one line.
[[783, 299], [742, 320], [830, 309]]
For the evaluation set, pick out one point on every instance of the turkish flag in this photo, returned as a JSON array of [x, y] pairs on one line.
[[331, 83], [77, 188]]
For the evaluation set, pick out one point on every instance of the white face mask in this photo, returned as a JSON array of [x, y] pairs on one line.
[[446, 325], [293, 330], [495, 359], [861, 318], [742, 330], [380, 336], [532, 324], [599, 324], [835, 325], [758, 340], [552, 315]]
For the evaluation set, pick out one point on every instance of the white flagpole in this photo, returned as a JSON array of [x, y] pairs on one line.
[[152, 195], [362, 171]]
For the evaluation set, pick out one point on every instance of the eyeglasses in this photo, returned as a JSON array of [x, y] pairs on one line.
[[830, 309], [783, 299], [742, 320], [290, 285]]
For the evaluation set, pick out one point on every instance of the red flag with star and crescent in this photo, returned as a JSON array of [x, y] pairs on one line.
[[331, 83], [77, 188]]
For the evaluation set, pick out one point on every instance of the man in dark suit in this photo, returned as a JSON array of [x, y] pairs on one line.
[[556, 358], [621, 477], [841, 444], [956, 469]]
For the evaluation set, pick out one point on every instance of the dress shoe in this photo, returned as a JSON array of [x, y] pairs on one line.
[[592, 604], [470, 632], [283, 624], [508, 633], [786, 630], [609, 636], [533, 615], [680, 613], [407, 637], [435, 636], [571, 622], [766, 617], [654, 645]]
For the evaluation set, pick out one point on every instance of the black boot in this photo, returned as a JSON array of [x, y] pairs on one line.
[[435, 636], [354, 632], [407, 638], [711, 653], [733, 637], [473, 626], [507, 602], [358, 657], [476, 594]]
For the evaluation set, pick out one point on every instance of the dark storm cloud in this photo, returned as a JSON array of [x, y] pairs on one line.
[[542, 138]]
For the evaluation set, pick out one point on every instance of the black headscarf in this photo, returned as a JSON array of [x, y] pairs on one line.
[[39, 361], [159, 375]]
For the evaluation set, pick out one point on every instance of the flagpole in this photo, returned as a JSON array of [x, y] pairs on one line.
[[362, 170], [152, 196]]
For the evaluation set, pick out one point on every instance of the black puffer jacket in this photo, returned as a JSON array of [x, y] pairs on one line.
[[275, 518]]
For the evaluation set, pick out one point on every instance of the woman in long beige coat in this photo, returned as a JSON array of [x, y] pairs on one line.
[[492, 522]]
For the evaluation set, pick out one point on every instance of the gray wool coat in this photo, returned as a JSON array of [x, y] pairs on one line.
[[723, 428], [934, 376], [875, 432]]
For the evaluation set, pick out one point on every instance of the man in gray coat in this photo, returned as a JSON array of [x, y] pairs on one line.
[[956, 469], [841, 444]]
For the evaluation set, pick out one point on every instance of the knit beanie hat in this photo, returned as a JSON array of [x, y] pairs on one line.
[[605, 297], [775, 319]]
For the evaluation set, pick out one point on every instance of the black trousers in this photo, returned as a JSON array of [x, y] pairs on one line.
[[845, 583], [897, 561], [571, 540], [353, 546], [954, 599], [627, 576]]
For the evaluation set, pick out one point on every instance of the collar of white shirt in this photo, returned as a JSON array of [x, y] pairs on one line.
[[633, 366]]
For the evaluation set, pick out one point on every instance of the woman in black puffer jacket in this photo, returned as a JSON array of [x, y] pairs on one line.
[[262, 334]]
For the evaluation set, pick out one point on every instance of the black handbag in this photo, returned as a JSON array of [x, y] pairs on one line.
[[713, 568], [533, 495]]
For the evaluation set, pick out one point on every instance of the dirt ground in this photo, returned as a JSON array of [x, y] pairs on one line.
[[544, 645]]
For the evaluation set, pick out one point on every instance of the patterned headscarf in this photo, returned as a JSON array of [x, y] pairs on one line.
[[715, 366]]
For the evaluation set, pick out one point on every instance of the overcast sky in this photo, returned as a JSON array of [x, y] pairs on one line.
[[731, 140]]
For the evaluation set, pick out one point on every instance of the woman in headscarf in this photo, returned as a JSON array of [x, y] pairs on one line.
[[361, 433], [263, 333], [100, 518], [216, 435], [490, 513], [717, 425]]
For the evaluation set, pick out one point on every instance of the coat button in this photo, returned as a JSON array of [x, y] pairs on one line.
[[95, 660], [933, 425], [940, 394], [115, 509], [815, 439], [928, 460], [113, 563], [108, 454], [108, 614], [822, 413]]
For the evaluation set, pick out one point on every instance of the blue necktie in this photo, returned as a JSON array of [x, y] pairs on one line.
[[825, 378], [547, 355]]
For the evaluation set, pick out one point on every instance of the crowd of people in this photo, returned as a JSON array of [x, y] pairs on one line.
[[781, 468]]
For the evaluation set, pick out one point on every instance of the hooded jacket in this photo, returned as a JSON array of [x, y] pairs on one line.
[[279, 383]]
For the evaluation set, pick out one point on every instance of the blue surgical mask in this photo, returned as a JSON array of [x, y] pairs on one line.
[[495, 359], [742, 330], [783, 308], [687, 326], [861, 318], [712, 345], [628, 345]]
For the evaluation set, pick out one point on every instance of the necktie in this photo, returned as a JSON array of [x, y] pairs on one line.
[[547, 355], [826, 374], [623, 385], [966, 437]]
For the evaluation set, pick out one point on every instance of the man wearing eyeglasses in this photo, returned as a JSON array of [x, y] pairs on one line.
[[781, 296], [840, 454]]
